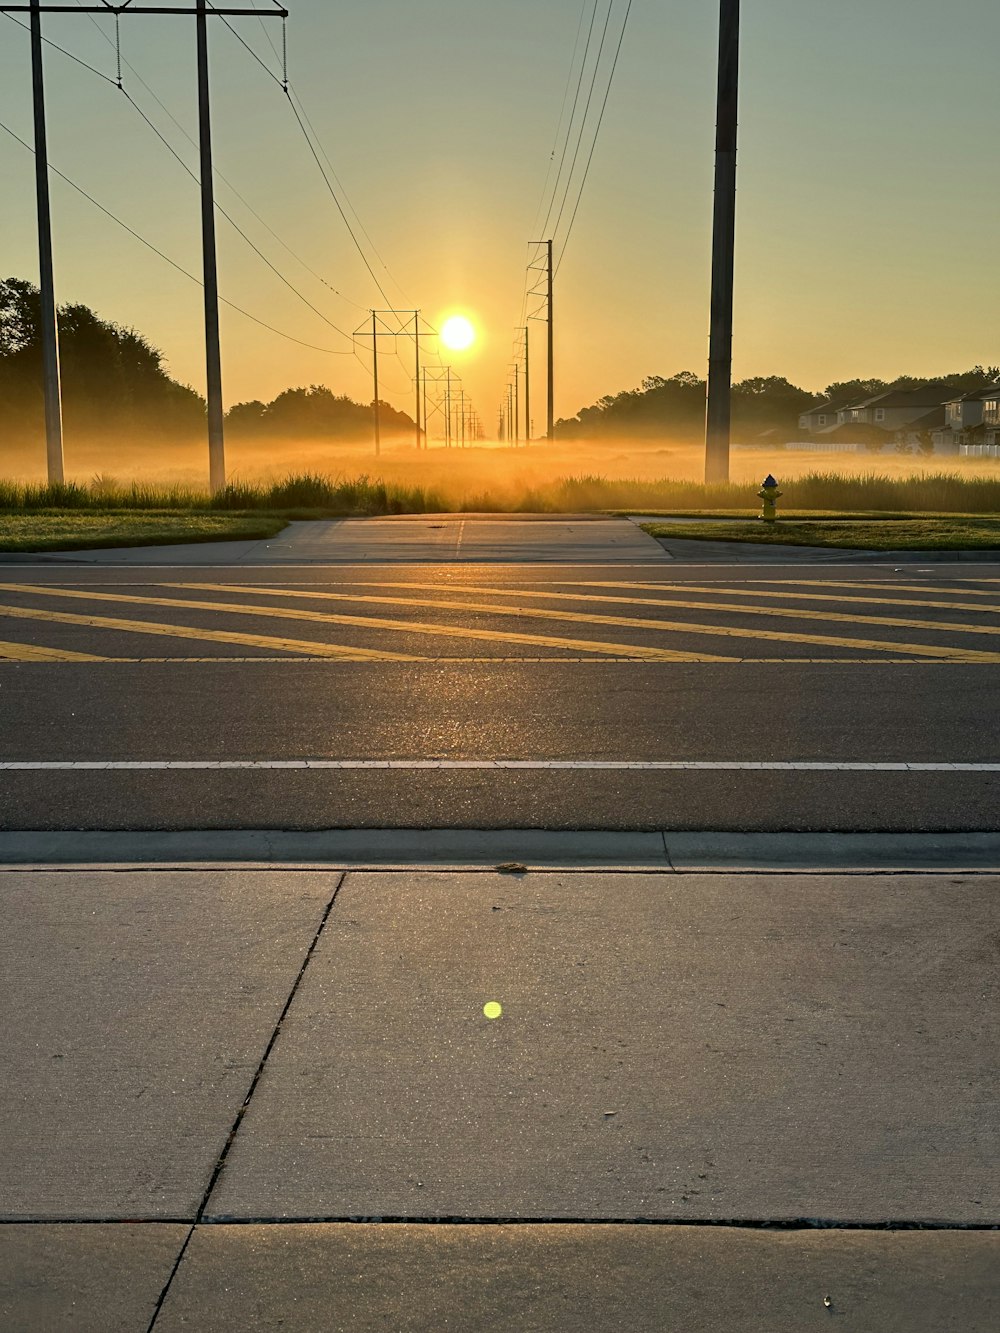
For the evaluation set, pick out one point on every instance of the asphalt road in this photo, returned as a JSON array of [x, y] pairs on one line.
[[473, 663]]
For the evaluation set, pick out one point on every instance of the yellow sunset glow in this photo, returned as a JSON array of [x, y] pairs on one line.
[[457, 333]]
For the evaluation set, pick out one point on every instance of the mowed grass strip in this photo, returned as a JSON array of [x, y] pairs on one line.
[[951, 533], [75, 531]]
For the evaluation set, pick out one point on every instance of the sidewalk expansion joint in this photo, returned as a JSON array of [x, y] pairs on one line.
[[234, 1130]]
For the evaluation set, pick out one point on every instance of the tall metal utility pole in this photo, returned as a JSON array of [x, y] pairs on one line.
[[51, 391], [375, 333], [213, 349], [377, 419], [50, 338], [550, 416], [720, 353], [416, 379], [527, 389]]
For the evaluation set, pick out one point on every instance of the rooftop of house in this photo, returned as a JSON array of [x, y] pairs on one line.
[[930, 420], [925, 395]]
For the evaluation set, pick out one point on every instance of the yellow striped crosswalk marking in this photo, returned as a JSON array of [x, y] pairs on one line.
[[714, 589], [215, 636], [30, 652], [751, 584], [368, 622], [664, 626]]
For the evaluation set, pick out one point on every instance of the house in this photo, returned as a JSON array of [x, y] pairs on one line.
[[896, 408], [820, 415], [971, 421]]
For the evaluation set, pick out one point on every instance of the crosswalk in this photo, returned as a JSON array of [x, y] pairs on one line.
[[390, 619]]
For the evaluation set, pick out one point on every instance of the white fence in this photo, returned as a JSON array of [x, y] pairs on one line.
[[825, 447]]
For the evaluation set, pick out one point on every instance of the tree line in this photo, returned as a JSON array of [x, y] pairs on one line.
[[113, 379], [115, 384], [762, 405]]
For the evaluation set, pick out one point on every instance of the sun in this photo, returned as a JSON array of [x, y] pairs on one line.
[[457, 333]]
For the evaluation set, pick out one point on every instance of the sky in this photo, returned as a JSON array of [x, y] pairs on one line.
[[868, 192]]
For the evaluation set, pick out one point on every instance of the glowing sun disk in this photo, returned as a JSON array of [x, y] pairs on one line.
[[457, 333]]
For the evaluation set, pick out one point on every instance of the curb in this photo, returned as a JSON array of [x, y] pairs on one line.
[[673, 852]]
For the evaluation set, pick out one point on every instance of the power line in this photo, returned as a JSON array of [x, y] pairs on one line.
[[583, 119], [316, 149], [225, 181], [62, 50], [572, 116], [235, 225], [262, 63], [562, 111], [166, 258], [597, 130]]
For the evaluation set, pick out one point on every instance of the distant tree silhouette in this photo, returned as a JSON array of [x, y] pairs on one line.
[[113, 379], [843, 391], [313, 413], [675, 408]]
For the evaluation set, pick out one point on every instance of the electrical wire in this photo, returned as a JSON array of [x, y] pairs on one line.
[[572, 116], [597, 130], [219, 175], [318, 153], [246, 45], [62, 50], [302, 120], [583, 118], [232, 222], [166, 258], [562, 112]]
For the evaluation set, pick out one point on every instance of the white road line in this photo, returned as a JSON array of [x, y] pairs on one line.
[[590, 765]]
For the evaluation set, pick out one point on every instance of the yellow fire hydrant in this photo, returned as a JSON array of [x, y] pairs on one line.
[[770, 495]]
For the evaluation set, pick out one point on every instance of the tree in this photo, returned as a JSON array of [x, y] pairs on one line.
[[848, 390], [766, 403], [315, 412], [113, 379]]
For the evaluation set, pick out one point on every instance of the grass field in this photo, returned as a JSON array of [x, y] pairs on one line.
[[312, 495], [942, 533], [77, 531]]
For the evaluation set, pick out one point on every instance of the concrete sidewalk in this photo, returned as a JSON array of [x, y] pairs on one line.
[[406, 539], [284, 1084]]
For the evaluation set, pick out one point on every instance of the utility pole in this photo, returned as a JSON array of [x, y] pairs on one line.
[[50, 337], [375, 333], [377, 420], [527, 390], [416, 355], [51, 391], [213, 350], [720, 353], [551, 413], [447, 409]]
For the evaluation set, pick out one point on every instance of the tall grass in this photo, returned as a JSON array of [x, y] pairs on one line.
[[315, 495]]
